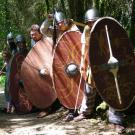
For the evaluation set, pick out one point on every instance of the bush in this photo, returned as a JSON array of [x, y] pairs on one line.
[[2, 77], [2, 80]]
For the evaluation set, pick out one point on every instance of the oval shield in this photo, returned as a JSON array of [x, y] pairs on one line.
[[112, 63], [36, 72], [66, 75], [18, 95]]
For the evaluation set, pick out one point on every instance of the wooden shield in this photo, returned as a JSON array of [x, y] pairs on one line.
[[68, 52], [39, 88], [114, 78], [18, 95]]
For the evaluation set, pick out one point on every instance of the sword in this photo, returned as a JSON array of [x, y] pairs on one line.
[[112, 60]]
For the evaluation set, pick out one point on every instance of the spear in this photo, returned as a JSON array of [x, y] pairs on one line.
[[83, 41]]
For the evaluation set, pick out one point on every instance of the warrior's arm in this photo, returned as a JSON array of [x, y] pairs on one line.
[[46, 27], [83, 42]]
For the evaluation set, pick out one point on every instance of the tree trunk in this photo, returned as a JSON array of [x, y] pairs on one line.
[[132, 28]]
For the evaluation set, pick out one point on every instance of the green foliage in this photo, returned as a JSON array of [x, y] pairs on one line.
[[102, 106], [18, 15], [101, 110], [2, 23], [2, 77], [1, 61], [2, 80]]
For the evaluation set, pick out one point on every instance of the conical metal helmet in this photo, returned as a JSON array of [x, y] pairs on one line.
[[59, 16], [20, 38], [10, 36], [91, 15]]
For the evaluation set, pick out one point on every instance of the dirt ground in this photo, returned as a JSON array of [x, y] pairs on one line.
[[13, 124]]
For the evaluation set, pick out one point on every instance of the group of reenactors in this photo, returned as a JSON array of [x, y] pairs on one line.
[[61, 65]]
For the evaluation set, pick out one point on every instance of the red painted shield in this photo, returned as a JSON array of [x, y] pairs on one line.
[[39, 87], [114, 80], [18, 95], [68, 53]]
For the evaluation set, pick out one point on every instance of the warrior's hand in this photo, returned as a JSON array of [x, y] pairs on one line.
[[82, 67], [50, 17]]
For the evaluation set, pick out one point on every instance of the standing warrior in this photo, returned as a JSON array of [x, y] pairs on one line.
[[6, 57], [65, 25], [115, 117], [88, 101], [19, 99], [43, 45], [13, 50]]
